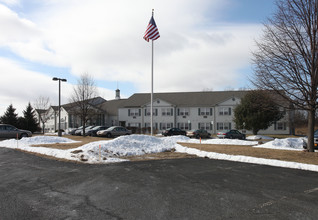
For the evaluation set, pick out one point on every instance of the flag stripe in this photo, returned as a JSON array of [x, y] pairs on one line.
[[152, 32]]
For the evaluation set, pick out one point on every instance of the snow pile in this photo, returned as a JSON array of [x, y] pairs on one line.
[[110, 151], [100, 151], [284, 144], [259, 137], [223, 141], [131, 145], [25, 142]]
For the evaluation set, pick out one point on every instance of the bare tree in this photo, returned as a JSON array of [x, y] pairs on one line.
[[82, 96], [41, 105], [286, 60]]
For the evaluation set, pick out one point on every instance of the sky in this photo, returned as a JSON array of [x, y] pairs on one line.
[[204, 45]]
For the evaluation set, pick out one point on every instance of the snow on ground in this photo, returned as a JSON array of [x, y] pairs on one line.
[[284, 144], [258, 137], [223, 141], [109, 151]]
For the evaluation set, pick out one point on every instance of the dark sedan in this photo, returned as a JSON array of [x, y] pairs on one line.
[[173, 131], [232, 134]]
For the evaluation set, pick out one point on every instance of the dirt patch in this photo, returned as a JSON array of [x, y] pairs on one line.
[[65, 146], [159, 156], [285, 155]]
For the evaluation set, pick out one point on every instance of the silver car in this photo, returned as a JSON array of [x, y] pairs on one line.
[[9, 131], [114, 131]]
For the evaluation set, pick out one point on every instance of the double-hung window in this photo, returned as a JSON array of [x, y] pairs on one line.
[[223, 126], [148, 111], [167, 111], [184, 126], [134, 112], [183, 111], [164, 126], [205, 126], [224, 111], [205, 111]]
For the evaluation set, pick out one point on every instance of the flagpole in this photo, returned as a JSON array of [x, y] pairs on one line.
[[152, 34], [151, 99]]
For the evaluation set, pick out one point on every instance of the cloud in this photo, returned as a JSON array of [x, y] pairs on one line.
[[14, 28], [19, 86], [104, 39], [10, 2]]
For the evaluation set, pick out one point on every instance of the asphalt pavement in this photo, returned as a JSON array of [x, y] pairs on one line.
[[32, 187]]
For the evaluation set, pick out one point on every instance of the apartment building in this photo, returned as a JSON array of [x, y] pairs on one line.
[[212, 111]]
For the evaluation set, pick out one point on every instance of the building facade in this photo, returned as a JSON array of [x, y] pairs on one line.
[[213, 111]]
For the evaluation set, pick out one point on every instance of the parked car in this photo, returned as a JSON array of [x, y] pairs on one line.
[[72, 132], [198, 133], [173, 131], [87, 129], [9, 131], [114, 131], [305, 141], [93, 132], [232, 134], [78, 132]]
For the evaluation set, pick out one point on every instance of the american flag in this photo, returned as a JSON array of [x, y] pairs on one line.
[[152, 32]]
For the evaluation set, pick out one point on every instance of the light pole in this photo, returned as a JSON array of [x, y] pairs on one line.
[[63, 80]]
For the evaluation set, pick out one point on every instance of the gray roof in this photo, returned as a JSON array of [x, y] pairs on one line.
[[93, 102], [111, 106], [186, 99]]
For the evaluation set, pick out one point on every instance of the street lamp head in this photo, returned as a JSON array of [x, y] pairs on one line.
[[59, 79]]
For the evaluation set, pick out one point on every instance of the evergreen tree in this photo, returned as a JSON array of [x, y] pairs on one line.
[[28, 121], [10, 117], [257, 111]]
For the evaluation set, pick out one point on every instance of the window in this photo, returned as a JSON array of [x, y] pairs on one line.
[[135, 125], [224, 111], [167, 111], [164, 126], [148, 110], [183, 111], [280, 126], [184, 126], [154, 125], [205, 111], [223, 126], [205, 126], [134, 112]]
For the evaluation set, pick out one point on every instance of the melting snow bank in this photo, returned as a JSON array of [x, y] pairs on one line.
[[223, 141], [247, 159], [131, 145], [97, 152], [259, 137], [110, 151], [284, 144]]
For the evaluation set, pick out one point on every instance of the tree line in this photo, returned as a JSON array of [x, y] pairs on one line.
[[27, 122]]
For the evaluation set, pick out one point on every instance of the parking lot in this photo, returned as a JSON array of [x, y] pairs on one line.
[[32, 187]]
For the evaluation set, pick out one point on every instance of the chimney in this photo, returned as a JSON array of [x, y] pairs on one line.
[[117, 94]]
